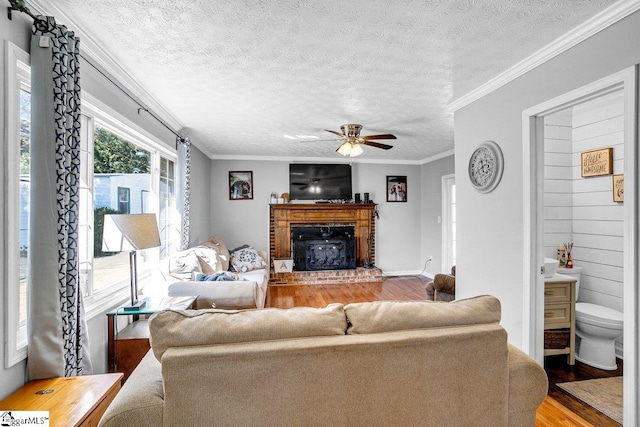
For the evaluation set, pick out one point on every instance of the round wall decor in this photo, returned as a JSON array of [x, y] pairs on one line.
[[485, 167]]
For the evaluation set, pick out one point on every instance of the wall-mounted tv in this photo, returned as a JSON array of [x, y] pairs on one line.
[[319, 181]]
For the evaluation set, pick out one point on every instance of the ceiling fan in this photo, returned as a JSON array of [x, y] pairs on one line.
[[352, 141]]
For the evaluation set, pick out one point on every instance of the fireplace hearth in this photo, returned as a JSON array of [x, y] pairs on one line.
[[323, 248]]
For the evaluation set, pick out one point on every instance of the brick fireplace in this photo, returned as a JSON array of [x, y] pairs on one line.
[[331, 221]]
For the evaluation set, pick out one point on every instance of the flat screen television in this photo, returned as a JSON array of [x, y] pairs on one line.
[[319, 181]]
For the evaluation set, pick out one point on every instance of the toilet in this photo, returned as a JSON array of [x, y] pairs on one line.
[[597, 327]]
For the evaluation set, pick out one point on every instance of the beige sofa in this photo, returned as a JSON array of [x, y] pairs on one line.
[[213, 257], [367, 364]]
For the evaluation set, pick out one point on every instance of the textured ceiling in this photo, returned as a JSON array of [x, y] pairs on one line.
[[240, 75]]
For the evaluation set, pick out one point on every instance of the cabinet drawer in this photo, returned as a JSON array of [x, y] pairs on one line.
[[557, 292], [554, 314]]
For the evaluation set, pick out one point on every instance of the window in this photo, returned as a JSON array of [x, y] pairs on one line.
[[448, 222], [124, 195], [16, 159], [120, 172], [117, 161], [127, 172], [168, 223]]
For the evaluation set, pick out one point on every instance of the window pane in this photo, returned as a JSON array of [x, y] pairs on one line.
[[121, 179], [167, 217], [25, 157]]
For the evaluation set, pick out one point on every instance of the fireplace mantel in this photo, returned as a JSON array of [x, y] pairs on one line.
[[360, 215]]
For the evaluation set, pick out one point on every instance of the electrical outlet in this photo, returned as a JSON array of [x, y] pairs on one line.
[[430, 258]]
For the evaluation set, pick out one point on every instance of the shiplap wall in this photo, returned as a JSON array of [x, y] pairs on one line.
[[598, 221], [582, 210], [558, 182]]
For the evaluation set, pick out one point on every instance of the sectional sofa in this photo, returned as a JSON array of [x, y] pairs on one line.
[[220, 277]]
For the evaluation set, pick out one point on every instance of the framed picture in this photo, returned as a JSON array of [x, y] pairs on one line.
[[618, 188], [597, 162], [240, 185], [396, 188]]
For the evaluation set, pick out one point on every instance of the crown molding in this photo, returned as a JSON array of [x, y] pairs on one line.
[[313, 159], [593, 25], [103, 59], [438, 157]]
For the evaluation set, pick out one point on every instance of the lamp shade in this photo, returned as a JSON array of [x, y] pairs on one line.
[[130, 232], [350, 149]]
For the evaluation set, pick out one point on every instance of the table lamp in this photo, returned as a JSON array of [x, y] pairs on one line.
[[130, 232]]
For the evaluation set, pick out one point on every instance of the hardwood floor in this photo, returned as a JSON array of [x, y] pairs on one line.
[[405, 288], [558, 371], [558, 409]]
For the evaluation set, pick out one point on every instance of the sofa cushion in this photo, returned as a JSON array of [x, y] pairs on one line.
[[173, 328], [387, 316], [246, 259]]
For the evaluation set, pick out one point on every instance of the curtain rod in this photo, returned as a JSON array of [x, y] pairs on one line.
[[20, 7], [140, 106]]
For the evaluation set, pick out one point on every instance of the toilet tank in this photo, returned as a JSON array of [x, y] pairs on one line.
[[575, 272]]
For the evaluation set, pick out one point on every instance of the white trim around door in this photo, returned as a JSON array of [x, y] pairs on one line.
[[533, 162]]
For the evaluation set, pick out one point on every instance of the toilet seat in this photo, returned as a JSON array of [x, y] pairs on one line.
[[599, 315]]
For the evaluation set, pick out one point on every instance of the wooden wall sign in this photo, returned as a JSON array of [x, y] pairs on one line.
[[618, 188], [597, 162]]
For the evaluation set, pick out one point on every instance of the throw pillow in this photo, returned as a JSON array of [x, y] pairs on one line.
[[208, 257], [183, 264], [223, 253], [247, 259]]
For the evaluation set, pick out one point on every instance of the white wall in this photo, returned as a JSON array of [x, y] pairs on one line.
[[490, 226], [398, 230], [200, 197]]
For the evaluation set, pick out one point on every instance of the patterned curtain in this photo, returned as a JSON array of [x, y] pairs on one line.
[[184, 165], [57, 329]]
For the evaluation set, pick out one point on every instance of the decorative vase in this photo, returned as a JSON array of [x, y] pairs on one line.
[[569, 263]]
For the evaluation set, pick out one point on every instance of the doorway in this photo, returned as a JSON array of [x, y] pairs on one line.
[[623, 83]]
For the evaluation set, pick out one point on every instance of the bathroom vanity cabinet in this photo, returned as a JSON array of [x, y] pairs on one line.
[[560, 315]]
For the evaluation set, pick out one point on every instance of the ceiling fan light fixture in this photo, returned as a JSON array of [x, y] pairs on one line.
[[356, 150], [350, 149]]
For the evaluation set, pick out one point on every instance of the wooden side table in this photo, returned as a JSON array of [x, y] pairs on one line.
[[126, 348], [71, 401]]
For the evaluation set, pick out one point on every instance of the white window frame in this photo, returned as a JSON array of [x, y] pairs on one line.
[[447, 220], [95, 112], [17, 77]]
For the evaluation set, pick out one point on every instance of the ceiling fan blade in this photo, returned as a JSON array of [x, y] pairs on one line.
[[381, 136], [319, 140], [377, 145], [335, 132]]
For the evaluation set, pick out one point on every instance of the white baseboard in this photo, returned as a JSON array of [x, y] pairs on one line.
[[401, 272]]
